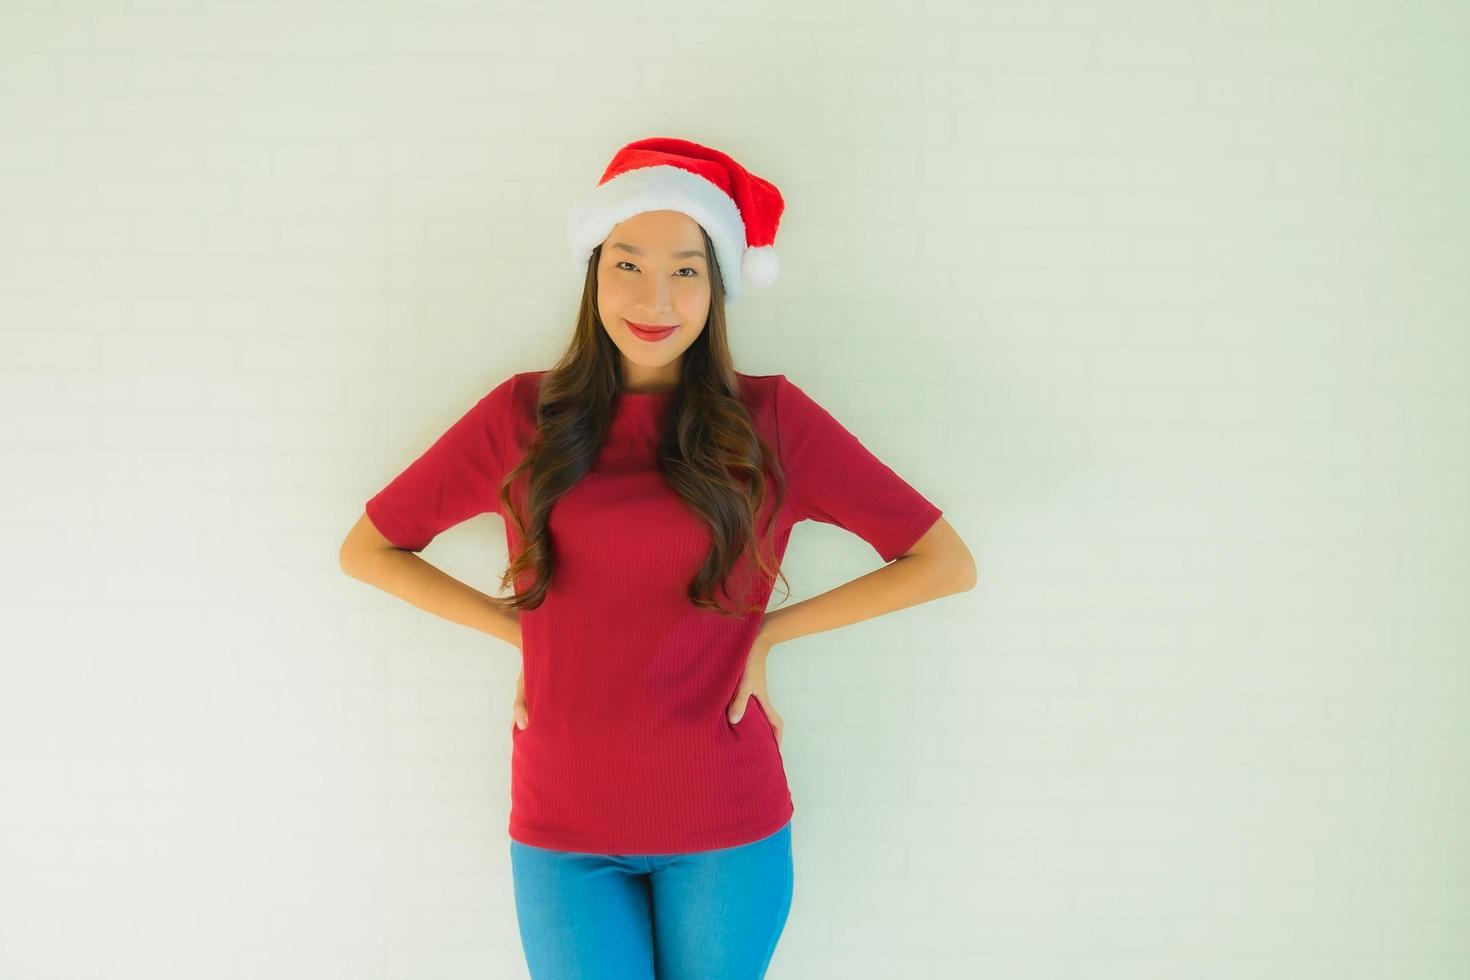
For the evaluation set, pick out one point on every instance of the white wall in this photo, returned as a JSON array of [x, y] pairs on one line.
[[1165, 304]]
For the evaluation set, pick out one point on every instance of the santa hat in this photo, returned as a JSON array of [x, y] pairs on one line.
[[738, 210]]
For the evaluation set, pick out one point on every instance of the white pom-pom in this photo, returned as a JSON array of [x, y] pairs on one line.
[[760, 265]]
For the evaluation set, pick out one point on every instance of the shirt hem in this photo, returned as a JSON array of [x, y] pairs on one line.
[[696, 842]]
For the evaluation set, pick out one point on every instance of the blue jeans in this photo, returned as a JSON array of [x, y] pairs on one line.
[[709, 915]]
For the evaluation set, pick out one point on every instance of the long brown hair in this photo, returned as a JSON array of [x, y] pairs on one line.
[[709, 451]]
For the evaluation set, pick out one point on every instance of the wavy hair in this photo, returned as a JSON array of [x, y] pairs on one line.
[[709, 451]]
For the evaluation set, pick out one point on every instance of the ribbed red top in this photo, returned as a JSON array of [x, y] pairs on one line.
[[628, 749]]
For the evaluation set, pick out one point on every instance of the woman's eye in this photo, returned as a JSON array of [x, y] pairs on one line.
[[623, 262]]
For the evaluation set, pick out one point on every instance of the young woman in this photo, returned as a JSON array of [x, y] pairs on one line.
[[649, 490]]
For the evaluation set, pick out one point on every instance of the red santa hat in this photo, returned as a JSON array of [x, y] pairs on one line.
[[738, 210]]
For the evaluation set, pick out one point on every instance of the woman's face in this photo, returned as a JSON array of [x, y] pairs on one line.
[[653, 271]]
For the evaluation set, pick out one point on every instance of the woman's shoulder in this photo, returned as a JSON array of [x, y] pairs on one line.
[[528, 379], [515, 405], [758, 392], [524, 386], [759, 385]]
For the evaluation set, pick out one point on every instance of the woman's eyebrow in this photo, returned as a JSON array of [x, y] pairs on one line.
[[692, 253]]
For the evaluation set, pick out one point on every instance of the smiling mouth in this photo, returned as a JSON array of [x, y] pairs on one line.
[[650, 331]]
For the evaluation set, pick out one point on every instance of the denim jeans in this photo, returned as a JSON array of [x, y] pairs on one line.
[[709, 915]]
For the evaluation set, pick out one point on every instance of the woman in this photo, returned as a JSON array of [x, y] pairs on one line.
[[648, 490]]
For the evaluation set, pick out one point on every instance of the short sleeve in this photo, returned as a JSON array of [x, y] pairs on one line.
[[456, 478], [833, 478]]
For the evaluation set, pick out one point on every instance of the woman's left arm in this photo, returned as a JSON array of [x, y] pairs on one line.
[[937, 565]]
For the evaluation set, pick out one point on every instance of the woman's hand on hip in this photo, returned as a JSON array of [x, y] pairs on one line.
[[753, 682]]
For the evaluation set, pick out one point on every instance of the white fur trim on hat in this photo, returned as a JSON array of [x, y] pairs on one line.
[[665, 188]]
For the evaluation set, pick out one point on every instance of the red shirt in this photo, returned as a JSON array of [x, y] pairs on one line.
[[628, 749]]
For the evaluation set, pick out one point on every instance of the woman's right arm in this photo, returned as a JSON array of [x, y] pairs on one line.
[[369, 557]]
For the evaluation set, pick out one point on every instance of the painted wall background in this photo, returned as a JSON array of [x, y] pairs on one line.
[[1165, 304]]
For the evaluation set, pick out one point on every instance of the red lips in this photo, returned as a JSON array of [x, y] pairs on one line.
[[650, 331]]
